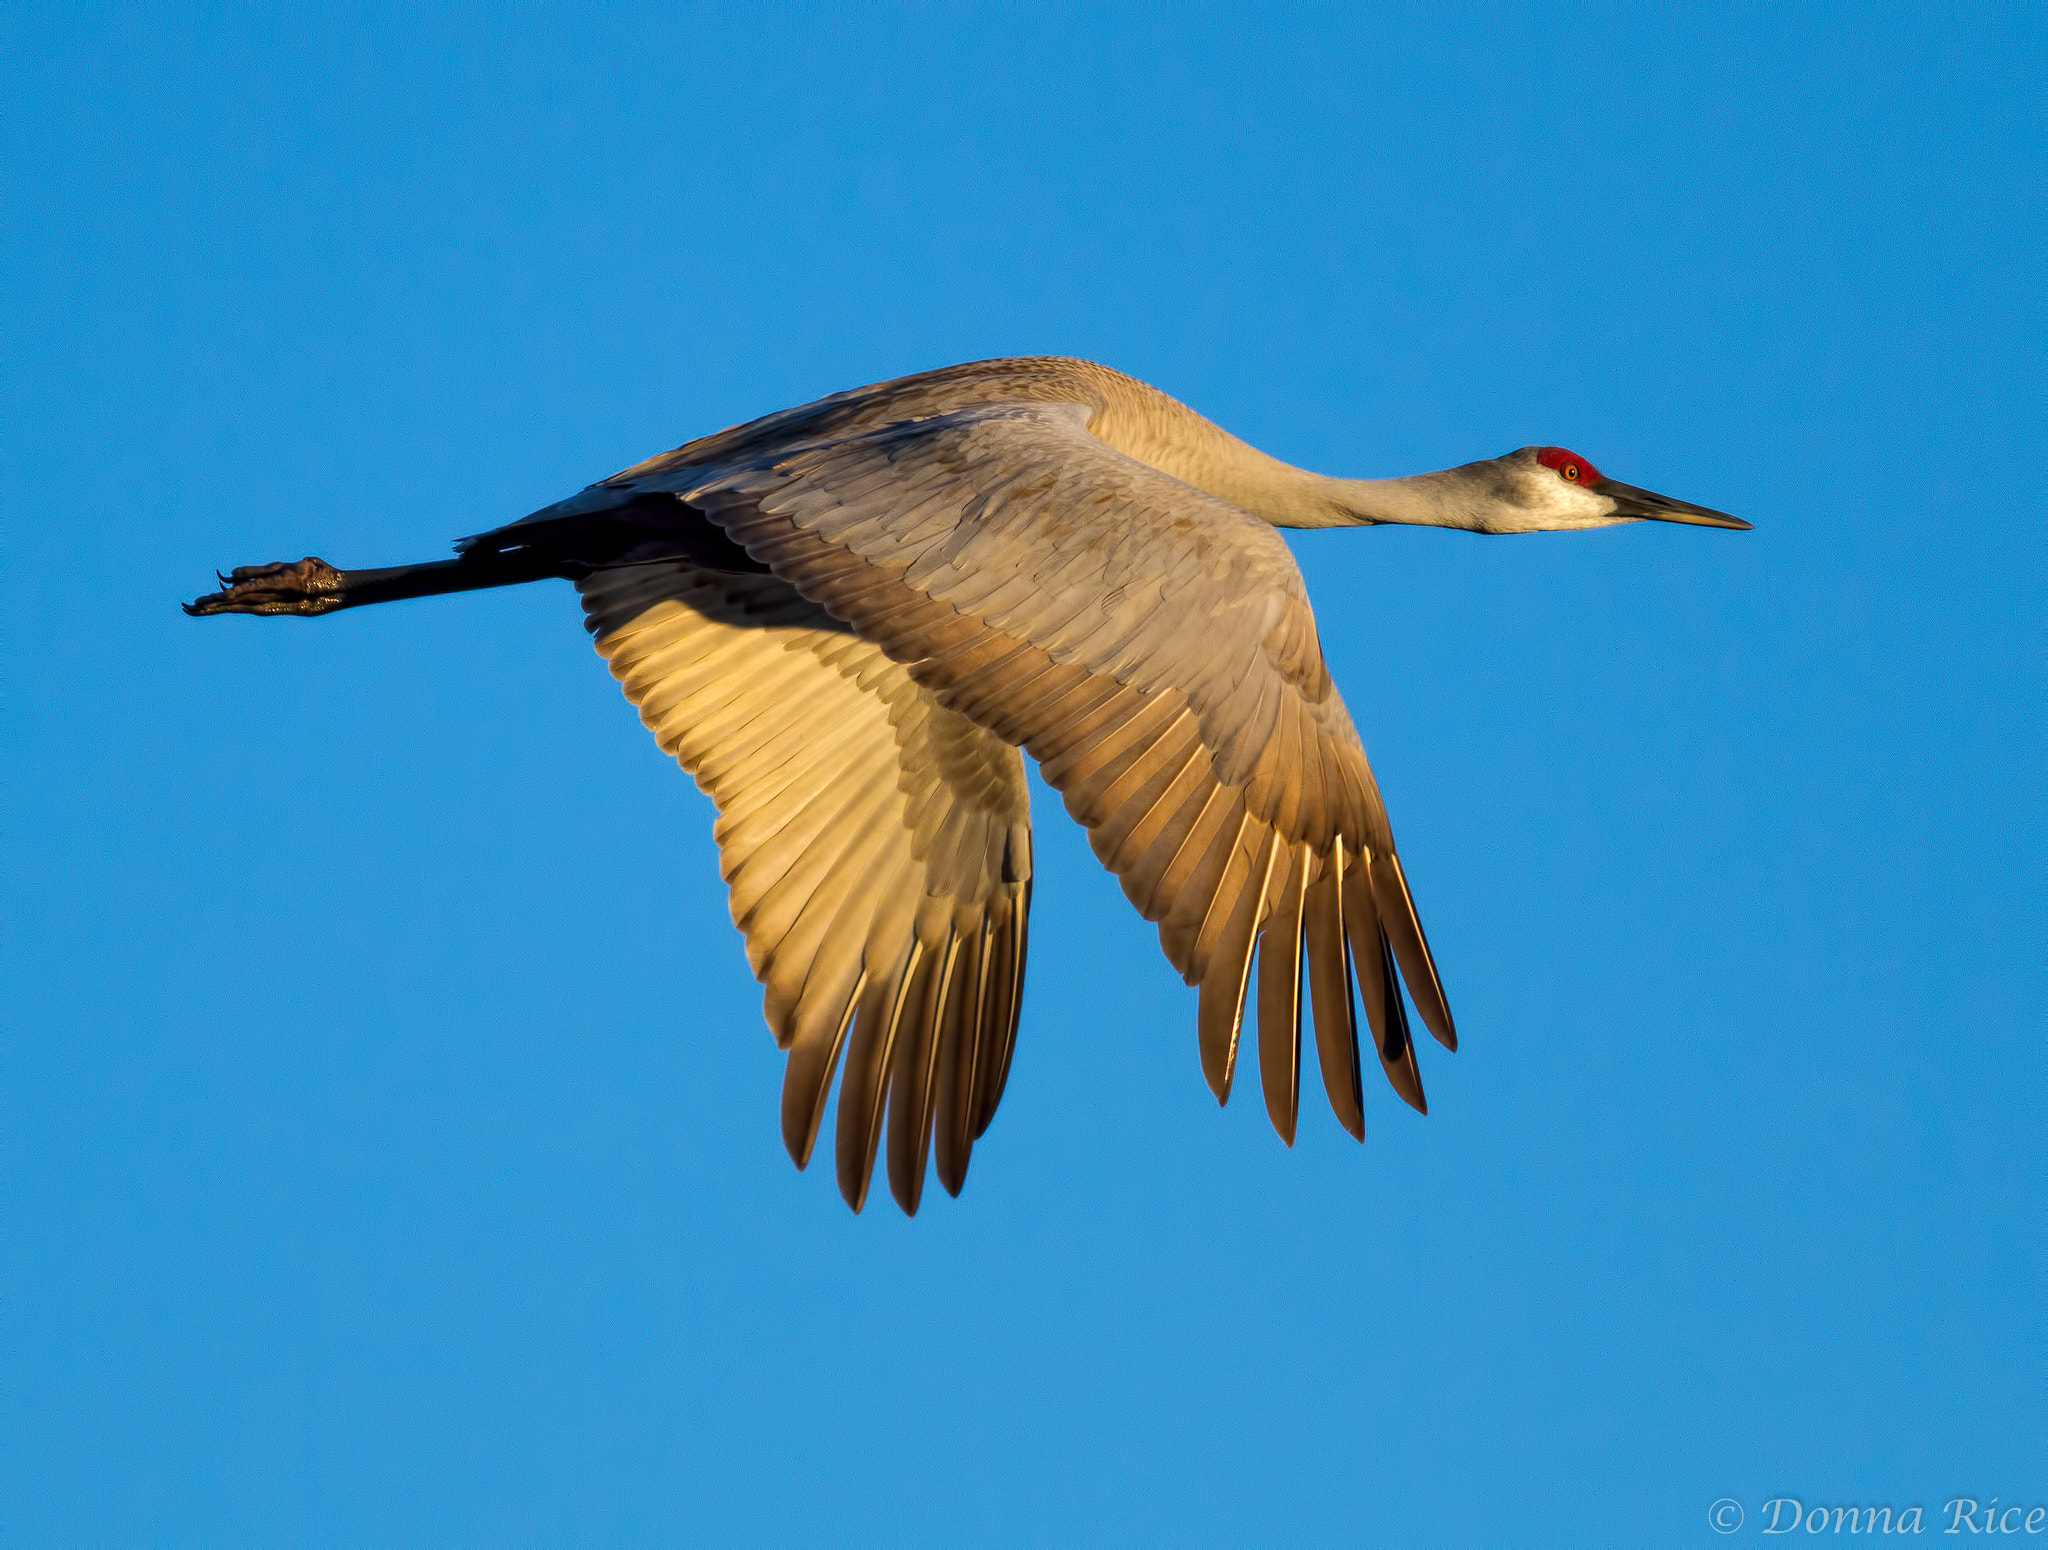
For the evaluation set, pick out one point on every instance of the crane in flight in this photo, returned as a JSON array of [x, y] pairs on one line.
[[845, 620]]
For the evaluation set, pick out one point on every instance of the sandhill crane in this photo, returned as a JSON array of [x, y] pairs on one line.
[[845, 619]]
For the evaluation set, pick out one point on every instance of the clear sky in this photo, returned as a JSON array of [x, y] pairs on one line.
[[392, 1151]]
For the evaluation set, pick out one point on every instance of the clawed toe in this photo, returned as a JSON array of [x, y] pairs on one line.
[[311, 586], [265, 572]]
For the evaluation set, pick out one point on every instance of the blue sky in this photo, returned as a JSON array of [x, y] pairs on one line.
[[392, 1149]]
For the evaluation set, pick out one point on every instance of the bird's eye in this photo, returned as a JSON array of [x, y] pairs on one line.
[[1568, 466]]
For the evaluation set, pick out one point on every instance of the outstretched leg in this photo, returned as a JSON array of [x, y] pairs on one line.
[[312, 586], [601, 528]]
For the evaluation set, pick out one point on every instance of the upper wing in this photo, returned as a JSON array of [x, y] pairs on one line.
[[877, 847], [1152, 646]]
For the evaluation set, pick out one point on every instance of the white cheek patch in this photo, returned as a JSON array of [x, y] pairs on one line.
[[1550, 504]]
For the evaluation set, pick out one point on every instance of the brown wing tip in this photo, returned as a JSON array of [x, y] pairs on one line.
[[1218, 1020], [1411, 949], [1333, 994], [1397, 1058]]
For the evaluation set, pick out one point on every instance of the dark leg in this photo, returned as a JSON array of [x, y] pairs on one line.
[[312, 586], [632, 531]]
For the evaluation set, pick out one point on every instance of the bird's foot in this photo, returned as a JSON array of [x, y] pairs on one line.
[[312, 586]]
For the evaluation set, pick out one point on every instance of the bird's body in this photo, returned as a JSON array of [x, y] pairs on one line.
[[846, 618]]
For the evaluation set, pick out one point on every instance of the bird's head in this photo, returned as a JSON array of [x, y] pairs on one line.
[[1550, 489]]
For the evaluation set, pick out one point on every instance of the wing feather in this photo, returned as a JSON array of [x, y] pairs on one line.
[[914, 1079], [813, 1058], [1150, 645], [872, 841], [1329, 975], [1280, 996], [1235, 911], [1006, 988], [1380, 989], [865, 1087], [1410, 947]]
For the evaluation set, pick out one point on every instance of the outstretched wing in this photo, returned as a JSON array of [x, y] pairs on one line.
[[1152, 646], [877, 846]]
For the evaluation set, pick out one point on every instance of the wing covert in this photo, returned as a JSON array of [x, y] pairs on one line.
[[1152, 647]]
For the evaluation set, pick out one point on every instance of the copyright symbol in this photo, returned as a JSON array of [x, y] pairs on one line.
[[1725, 1516]]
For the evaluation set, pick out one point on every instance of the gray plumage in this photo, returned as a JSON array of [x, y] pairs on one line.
[[845, 619]]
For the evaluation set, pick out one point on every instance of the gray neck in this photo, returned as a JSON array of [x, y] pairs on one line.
[[1165, 433], [1420, 500], [1294, 497]]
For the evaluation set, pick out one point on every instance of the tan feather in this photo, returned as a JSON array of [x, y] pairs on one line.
[[914, 1080], [1379, 988], [1330, 994], [1403, 929], [864, 1089], [1280, 995], [807, 1078], [961, 1054], [1006, 995], [1237, 908]]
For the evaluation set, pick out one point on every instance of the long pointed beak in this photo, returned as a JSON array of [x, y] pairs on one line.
[[1632, 502]]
